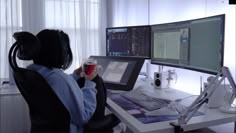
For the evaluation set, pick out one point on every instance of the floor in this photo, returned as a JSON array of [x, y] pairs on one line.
[[14, 116]]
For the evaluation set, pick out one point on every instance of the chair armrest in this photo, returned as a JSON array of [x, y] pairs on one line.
[[105, 124]]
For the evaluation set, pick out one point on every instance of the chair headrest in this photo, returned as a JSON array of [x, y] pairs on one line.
[[29, 45]]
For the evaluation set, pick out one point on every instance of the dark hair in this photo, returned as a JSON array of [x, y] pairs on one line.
[[55, 51]]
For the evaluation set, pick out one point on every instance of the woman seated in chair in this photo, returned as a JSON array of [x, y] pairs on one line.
[[55, 56]]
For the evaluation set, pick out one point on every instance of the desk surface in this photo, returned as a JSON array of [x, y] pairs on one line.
[[212, 116]]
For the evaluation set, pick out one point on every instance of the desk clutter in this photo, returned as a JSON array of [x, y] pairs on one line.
[[148, 109]]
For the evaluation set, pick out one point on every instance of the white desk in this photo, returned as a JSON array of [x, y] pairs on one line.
[[14, 113], [211, 117], [7, 89]]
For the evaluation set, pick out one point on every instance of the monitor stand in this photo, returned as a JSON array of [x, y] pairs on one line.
[[147, 73]]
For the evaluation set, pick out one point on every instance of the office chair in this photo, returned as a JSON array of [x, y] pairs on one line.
[[108, 121], [47, 112]]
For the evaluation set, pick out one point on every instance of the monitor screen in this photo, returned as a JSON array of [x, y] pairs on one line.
[[128, 41], [194, 44], [119, 73]]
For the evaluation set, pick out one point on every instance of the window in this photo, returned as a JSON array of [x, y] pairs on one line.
[[80, 19], [10, 22]]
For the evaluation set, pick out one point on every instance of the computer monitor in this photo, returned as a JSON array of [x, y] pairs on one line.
[[194, 44], [119, 73], [131, 41]]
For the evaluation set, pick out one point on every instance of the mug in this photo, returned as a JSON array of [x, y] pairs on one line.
[[90, 65]]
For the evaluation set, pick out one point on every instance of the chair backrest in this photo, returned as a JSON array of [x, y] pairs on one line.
[[47, 112]]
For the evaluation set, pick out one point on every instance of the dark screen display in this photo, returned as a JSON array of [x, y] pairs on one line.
[[128, 41]]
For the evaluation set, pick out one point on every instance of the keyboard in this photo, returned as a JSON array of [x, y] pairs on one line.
[[174, 108], [147, 102]]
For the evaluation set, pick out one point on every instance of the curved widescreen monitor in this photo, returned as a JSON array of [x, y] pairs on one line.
[[194, 44], [131, 41]]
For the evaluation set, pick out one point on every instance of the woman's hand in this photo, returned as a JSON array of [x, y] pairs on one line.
[[78, 71], [92, 75]]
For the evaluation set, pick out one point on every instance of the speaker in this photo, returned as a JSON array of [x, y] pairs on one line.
[[160, 81]]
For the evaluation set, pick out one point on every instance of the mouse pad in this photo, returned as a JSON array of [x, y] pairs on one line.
[[139, 113]]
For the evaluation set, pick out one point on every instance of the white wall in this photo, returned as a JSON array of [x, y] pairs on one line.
[[136, 12], [127, 12]]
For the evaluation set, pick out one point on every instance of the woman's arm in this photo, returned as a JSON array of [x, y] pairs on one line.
[[80, 104]]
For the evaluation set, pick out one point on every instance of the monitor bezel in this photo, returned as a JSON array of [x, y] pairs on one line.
[[137, 26], [159, 61]]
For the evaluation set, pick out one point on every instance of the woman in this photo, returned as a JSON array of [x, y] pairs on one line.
[[55, 56]]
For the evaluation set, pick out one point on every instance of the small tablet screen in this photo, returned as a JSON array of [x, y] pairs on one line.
[[119, 73]]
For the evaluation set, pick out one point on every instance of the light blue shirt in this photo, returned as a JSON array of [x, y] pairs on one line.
[[80, 102]]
